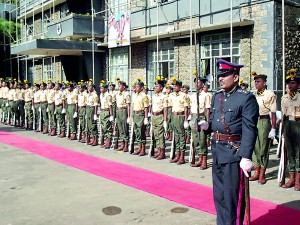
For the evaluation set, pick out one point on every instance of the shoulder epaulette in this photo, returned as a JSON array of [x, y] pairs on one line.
[[243, 91]]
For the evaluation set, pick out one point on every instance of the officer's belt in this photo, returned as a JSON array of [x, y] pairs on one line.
[[138, 111], [50, 103], [294, 118], [177, 113], [121, 108], [58, 105], [196, 114], [72, 104], [107, 109], [36, 103], [81, 106], [158, 113], [28, 102], [226, 137], [44, 102], [266, 117]]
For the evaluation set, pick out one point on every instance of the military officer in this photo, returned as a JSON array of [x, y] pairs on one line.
[[290, 104], [21, 104], [44, 106], [186, 89], [169, 90], [82, 99], [60, 109], [106, 114], [72, 101], [28, 97], [232, 142], [140, 108], [51, 108], [180, 103], [200, 110], [123, 115], [159, 119], [91, 115], [266, 127], [5, 108]]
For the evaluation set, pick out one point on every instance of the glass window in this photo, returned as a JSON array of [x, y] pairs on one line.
[[119, 6], [118, 64], [47, 69], [64, 10]]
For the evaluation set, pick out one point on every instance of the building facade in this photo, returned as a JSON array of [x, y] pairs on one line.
[[61, 39]]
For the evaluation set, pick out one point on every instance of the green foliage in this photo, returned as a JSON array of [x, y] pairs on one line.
[[9, 28]]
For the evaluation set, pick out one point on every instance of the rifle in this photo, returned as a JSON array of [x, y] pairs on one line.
[[192, 151], [114, 135], [78, 129], [131, 142], [281, 152], [172, 146], [25, 118], [40, 118], [151, 147], [101, 141], [68, 129]]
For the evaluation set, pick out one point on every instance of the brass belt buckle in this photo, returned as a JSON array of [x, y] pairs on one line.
[[217, 137]]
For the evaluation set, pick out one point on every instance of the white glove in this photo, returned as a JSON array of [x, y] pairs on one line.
[[47, 110], [165, 126], [40, 109], [146, 121], [128, 120], [190, 117], [203, 124], [149, 114], [272, 133], [32, 108], [75, 115], [95, 117], [246, 165], [111, 118], [63, 111], [186, 124], [7, 104]]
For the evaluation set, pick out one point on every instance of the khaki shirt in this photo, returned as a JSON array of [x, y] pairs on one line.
[[72, 97], [16, 94], [204, 102], [113, 95], [28, 95], [266, 102], [178, 101], [82, 99], [92, 99], [11, 94], [150, 99], [140, 101], [1, 91], [37, 96], [59, 97], [51, 96], [43, 96], [105, 100], [291, 106], [122, 99], [159, 101], [21, 94], [5, 91]]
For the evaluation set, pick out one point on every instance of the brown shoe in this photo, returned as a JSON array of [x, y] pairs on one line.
[[88, 139], [162, 154], [122, 146], [181, 159], [297, 182], [143, 152], [170, 136], [198, 164], [291, 182], [95, 140], [204, 163], [139, 150], [73, 137], [262, 178], [62, 134], [256, 174], [175, 160], [125, 149], [45, 131], [108, 143], [167, 136], [187, 139], [83, 139], [147, 133], [156, 154]]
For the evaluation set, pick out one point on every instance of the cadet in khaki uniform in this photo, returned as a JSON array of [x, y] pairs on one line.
[[180, 103], [290, 104], [113, 93], [91, 115], [60, 109], [205, 89], [51, 108], [199, 136], [28, 97], [5, 101], [16, 106], [266, 128], [82, 99], [169, 90], [72, 100], [21, 104], [106, 114], [10, 98], [44, 106], [159, 119], [140, 106], [185, 89], [123, 115], [146, 90], [37, 106]]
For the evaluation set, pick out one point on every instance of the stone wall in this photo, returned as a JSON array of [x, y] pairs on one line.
[[138, 61]]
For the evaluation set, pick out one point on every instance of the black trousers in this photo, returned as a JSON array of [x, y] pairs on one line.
[[229, 193]]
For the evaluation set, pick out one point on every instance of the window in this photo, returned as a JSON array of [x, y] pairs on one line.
[[47, 69], [64, 10], [161, 63], [118, 64], [46, 20], [217, 46], [119, 6], [153, 2]]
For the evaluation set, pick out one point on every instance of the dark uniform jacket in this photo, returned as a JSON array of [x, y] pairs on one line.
[[241, 113]]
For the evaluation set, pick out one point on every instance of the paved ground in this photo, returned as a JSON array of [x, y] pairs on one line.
[[34, 190]]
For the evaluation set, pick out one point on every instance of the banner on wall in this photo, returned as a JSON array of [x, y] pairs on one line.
[[119, 30]]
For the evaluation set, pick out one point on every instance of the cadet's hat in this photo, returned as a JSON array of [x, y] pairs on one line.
[[226, 68], [176, 82], [71, 85], [186, 87], [118, 79], [44, 84], [256, 76], [160, 82], [37, 85], [242, 83], [112, 84], [202, 79], [168, 86], [103, 84], [123, 83], [292, 76], [140, 82]]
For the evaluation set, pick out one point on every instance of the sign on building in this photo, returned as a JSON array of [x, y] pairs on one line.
[[119, 30]]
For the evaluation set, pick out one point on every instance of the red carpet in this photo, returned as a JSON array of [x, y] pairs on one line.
[[193, 195]]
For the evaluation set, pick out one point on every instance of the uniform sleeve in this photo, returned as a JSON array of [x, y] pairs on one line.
[[170, 101], [96, 99], [75, 96], [283, 106], [165, 102], [186, 101], [250, 113], [127, 98], [273, 103], [207, 102], [146, 101], [109, 100]]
